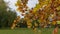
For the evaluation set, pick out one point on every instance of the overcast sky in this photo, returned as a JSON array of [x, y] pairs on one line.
[[31, 3]]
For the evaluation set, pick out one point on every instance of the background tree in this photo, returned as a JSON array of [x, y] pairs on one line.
[[6, 17]]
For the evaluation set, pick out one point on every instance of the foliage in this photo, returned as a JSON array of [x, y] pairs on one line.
[[44, 11], [6, 17]]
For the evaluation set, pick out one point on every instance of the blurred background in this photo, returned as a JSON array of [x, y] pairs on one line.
[[37, 15]]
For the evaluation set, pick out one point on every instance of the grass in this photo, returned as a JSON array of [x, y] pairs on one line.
[[27, 31]]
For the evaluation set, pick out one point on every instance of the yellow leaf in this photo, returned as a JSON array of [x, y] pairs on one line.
[[36, 8], [58, 8]]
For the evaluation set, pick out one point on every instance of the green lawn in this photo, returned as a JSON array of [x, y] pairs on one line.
[[27, 31]]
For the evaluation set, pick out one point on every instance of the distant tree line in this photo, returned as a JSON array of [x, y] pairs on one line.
[[6, 17]]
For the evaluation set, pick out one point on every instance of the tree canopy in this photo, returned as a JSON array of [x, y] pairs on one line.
[[6, 17], [43, 10]]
